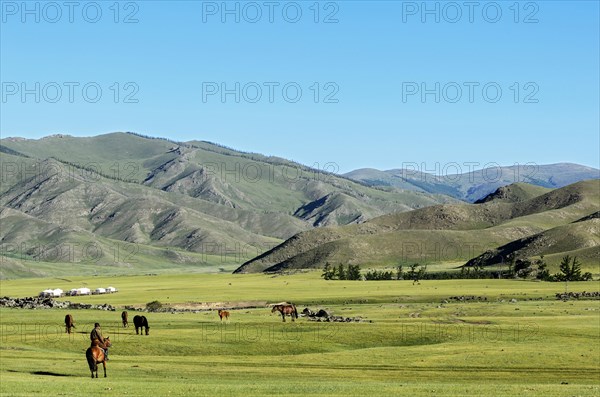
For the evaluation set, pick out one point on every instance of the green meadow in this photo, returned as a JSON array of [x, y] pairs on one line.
[[519, 341]]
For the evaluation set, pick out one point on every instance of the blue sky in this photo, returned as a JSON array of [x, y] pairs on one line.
[[366, 62]]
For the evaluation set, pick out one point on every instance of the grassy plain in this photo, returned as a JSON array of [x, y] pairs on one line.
[[415, 345]]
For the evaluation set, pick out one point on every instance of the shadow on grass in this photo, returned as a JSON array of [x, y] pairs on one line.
[[47, 373]]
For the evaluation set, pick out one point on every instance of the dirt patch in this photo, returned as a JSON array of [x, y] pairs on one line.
[[202, 306]]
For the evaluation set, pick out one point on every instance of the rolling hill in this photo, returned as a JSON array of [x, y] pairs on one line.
[[209, 204], [580, 238], [445, 233]]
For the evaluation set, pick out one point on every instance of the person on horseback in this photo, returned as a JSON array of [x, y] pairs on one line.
[[96, 335]]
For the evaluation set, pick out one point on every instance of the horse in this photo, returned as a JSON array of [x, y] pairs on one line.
[[223, 313], [95, 355], [139, 322], [289, 309], [69, 323], [124, 318]]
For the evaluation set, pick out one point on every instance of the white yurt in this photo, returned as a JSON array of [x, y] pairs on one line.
[[73, 292], [46, 293], [84, 291], [100, 291], [57, 293], [110, 290]]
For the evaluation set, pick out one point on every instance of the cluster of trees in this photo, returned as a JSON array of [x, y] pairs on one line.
[[352, 272], [570, 270]]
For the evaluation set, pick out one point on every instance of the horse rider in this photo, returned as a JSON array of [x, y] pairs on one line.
[[96, 334]]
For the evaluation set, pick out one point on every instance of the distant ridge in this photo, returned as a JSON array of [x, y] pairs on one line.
[[475, 185]]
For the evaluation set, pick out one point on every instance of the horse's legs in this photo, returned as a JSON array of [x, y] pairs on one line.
[[283, 316], [136, 330], [104, 365]]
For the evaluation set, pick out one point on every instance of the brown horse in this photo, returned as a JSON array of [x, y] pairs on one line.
[[69, 323], [95, 355], [223, 314], [289, 309], [124, 318]]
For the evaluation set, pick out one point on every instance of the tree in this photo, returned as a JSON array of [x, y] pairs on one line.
[[328, 272], [542, 269], [412, 271], [570, 269], [522, 268], [511, 265], [341, 272], [353, 272], [421, 272], [399, 274]]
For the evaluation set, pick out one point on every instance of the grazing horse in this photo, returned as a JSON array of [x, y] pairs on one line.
[[124, 318], [223, 313], [69, 323], [286, 309], [139, 322], [95, 355]]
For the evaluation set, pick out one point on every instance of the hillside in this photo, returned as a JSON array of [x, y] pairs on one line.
[[219, 205], [580, 238], [434, 234], [475, 185], [514, 193]]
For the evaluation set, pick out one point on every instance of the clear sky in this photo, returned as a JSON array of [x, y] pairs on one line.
[[162, 68]]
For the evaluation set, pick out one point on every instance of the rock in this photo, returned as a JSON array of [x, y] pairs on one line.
[[325, 316], [34, 303], [308, 312], [323, 313]]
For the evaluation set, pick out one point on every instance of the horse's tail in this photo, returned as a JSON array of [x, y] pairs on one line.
[[295, 311], [90, 359]]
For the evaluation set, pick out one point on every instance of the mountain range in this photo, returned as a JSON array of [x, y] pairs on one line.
[[127, 203], [475, 183], [167, 204]]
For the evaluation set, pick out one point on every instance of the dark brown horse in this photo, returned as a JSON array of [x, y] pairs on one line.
[[69, 323], [223, 314], [289, 309], [95, 355], [139, 322], [124, 318]]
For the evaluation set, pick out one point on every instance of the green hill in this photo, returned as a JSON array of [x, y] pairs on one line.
[[514, 193], [580, 238], [442, 233], [219, 205]]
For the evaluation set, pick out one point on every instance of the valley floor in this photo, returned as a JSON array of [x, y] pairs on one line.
[[517, 339]]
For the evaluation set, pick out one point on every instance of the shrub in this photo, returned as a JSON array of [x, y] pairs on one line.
[[154, 306]]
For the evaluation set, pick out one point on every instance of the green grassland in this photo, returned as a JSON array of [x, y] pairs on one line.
[[415, 345]]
